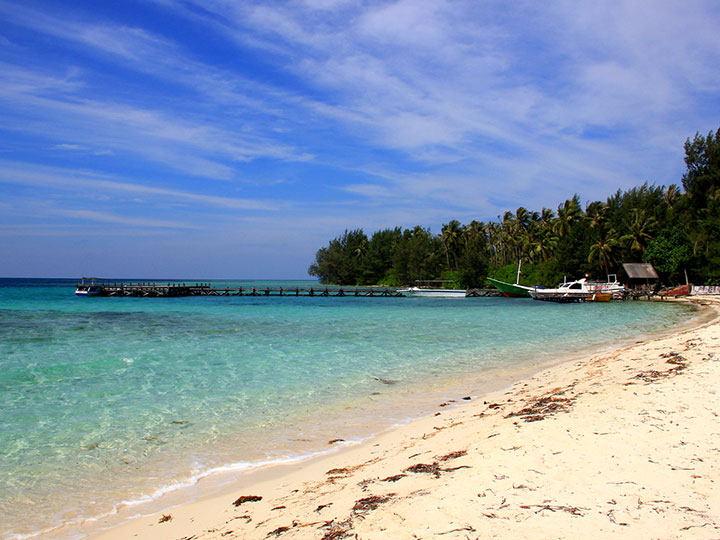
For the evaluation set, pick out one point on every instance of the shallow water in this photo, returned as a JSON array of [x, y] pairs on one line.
[[111, 399]]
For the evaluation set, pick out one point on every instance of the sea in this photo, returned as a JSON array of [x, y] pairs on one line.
[[109, 403]]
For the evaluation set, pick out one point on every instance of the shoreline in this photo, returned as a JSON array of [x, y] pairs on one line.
[[210, 513]]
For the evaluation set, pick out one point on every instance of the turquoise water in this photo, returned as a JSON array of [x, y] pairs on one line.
[[105, 400]]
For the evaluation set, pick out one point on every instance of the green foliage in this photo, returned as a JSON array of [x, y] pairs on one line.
[[702, 158], [670, 253]]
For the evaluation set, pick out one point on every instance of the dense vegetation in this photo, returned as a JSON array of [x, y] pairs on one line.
[[676, 229]]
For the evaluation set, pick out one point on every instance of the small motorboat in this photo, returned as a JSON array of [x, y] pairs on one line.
[[88, 289], [425, 289]]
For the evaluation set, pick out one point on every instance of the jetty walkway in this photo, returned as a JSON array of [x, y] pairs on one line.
[[174, 290]]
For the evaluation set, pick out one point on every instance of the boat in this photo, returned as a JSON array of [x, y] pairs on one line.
[[88, 289], [424, 289], [612, 286], [600, 297], [574, 291], [682, 290], [582, 290], [512, 290]]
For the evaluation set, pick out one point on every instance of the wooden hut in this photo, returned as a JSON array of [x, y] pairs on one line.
[[640, 277]]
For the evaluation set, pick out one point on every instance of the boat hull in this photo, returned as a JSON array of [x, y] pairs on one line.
[[683, 290], [434, 293], [510, 290]]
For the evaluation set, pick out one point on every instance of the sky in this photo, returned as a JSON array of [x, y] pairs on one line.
[[214, 139]]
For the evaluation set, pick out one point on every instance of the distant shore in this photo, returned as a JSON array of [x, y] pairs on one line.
[[621, 443]]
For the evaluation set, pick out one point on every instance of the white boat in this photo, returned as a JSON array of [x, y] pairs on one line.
[[88, 289], [433, 292], [575, 291], [612, 285], [580, 291]]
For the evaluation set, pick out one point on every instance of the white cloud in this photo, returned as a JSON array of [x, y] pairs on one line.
[[89, 183], [104, 217]]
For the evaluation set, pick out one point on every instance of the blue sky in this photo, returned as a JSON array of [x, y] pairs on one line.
[[222, 139]]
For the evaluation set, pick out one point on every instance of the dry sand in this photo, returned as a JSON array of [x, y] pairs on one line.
[[621, 444]]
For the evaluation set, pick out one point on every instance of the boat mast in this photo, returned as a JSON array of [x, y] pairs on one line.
[[517, 280]]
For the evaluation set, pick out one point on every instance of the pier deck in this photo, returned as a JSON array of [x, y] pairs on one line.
[[174, 290]]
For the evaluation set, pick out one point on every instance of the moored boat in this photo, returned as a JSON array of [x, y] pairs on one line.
[[88, 289], [582, 290], [574, 291], [511, 290], [434, 293], [424, 289], [682, 290]]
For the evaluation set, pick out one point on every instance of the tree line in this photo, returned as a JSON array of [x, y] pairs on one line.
[[677, 229]]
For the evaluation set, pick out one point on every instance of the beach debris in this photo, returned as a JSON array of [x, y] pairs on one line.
[[385, 381], [247, 498], [164, 518], [335, 534], [433, 468], [338, 530], [652, 375], [278, 531], [467, 528], [371, 503], [544, 406], [342, 470], [574, 510], [322, 506], [467, 398], [278, 508], [363, 484], [179, 422], [333, 441], [453, 455], [394, 478]]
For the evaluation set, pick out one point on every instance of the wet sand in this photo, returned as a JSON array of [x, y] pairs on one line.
[[620, 444]]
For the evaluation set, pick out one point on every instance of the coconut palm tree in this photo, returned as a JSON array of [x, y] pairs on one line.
[[451, 234], [638, 235], [672, 193], [603, 251], [596, 212], [569, 213]]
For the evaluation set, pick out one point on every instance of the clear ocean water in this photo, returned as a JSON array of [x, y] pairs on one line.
[[110, 400]]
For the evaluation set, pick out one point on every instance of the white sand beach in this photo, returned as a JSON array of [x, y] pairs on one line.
[[622, 444]]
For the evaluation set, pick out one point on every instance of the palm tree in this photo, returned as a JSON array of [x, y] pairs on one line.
[[638, 235], [671, 195], [451, 234], [547, 217], [603, 251], [492, 231], [568, 213], [596, 212], [545, 244]]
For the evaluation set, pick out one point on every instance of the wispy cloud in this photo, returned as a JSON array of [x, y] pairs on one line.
[[103, 217], [92, 183]]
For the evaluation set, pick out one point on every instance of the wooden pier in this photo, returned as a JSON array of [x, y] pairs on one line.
[[175, 290]]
